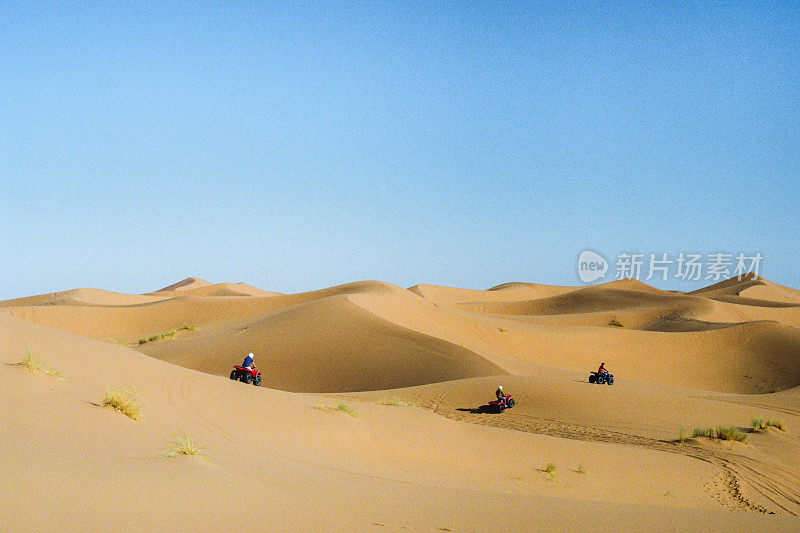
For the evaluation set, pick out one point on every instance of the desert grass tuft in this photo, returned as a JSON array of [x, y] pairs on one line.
[[721, 433], [581, 470], [166, 335], [340, 408], [616, 323], [123, 401], [549, 468], [396, 401], [34, 365], [343, 408], [775, 423], [181, 444], [759, 424]]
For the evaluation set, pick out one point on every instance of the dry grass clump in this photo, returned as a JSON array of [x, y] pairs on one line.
[[341, 408], [181, 444], [549, 468], [123, 401], [721, 433], [166, 335], [759, 424], [396, 401], [616, 323], [34, 365]]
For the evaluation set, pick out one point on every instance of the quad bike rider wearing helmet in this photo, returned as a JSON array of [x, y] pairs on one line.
[[499, 392], [249, 361]]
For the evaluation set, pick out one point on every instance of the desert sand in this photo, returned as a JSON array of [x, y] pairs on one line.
[[372, 412]]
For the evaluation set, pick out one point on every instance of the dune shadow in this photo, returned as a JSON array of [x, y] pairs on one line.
[[483, 409]]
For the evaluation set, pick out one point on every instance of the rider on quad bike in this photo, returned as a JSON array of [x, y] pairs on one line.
[[499, 392], [601, 370], [249, 361]]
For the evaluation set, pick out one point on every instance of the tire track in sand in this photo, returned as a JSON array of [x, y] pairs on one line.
[[780, 490]]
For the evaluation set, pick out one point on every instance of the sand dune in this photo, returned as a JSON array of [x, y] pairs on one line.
[[720, 355], [326, 345]]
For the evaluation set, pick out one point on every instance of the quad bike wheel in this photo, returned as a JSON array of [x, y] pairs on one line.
[[234, 375], [511, 402], [501, 408], [592, 378], [246, 378], [601, 379], [610, 381], [257, 381]]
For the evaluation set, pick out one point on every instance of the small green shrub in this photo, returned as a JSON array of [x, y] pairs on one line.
[[123, 401], [34, 365], [549, 468], [580, 470], [616, 323]]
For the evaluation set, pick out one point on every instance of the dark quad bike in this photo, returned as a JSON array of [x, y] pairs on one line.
[[246, 375], [506, 402], [601, 379]]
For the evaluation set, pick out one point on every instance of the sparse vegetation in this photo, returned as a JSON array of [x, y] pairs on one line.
[[615, 322], [396, 401], [759, 424], [123, 401], [721, 433], [166, 335], [34, 365], [341, 408], [580, 470], [549, 468], [181, 444], [119, 341], [682, 435], [502, 329]]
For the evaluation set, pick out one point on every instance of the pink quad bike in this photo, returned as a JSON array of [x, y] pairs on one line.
[[246, 375], [506, 402]]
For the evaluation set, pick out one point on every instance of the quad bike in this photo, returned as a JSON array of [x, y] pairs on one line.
[[246, 375], [500, 405], [601, 378]]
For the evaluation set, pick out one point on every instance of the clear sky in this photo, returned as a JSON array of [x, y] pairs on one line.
[[298, 145]]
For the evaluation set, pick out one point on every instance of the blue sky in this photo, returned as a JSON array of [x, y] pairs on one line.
[[300, 145]]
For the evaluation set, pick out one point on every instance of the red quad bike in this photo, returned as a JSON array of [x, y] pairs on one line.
[[506, 402], [601, 378], [246, 375]]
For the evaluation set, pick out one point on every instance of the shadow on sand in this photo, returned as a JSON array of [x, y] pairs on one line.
[[483, 409]]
